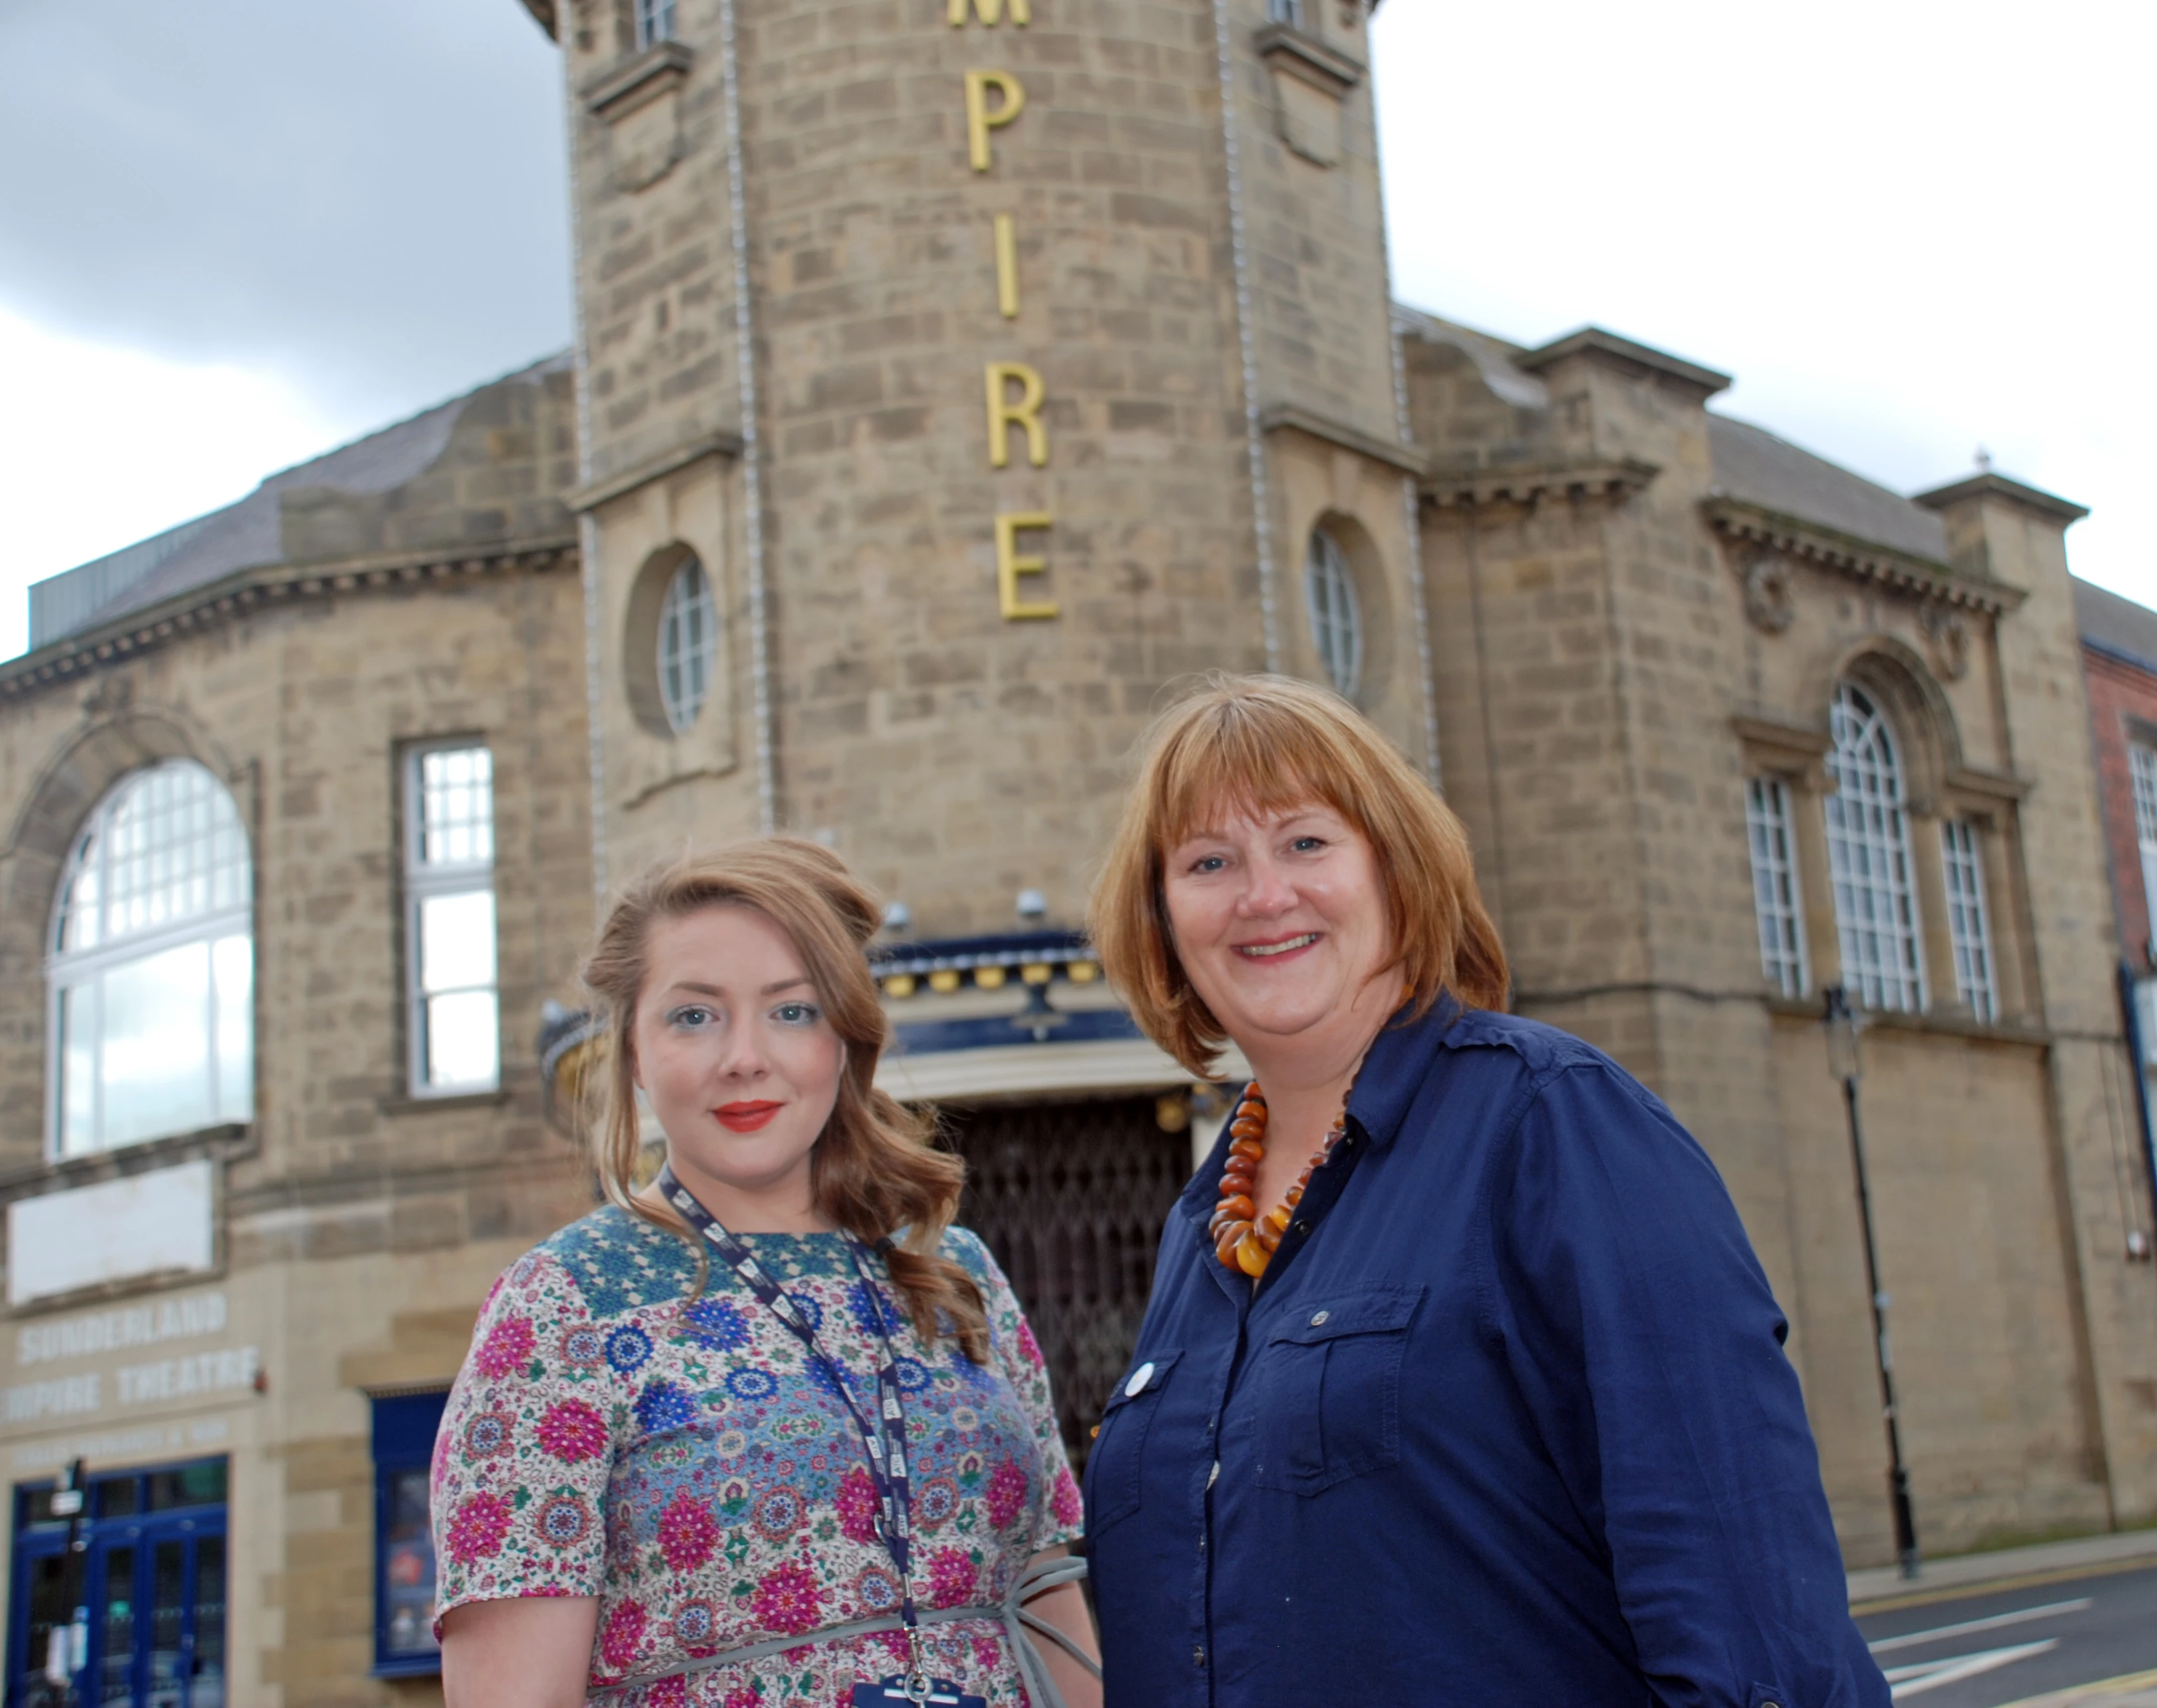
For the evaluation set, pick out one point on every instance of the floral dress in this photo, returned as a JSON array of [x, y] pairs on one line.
[[685, 1461]]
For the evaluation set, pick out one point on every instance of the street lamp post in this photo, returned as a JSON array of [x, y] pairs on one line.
[[1842, 1028]]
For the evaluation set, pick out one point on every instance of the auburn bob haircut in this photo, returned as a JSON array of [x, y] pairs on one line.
[[1264, 744], [876, 1170]]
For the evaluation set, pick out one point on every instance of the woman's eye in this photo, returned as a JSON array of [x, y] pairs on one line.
[[691, 1015], [797, 1014], [1308, 845], [1208, 862]]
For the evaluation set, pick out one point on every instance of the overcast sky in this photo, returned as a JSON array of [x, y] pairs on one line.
[[236, 233]]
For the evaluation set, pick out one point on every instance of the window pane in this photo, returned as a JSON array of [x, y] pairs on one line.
[[408, 1569], [1970, 931], [463, 1043], [1775, 902], [209, 1623], [455, 807], [232, 964], [156, 1055], [1336, 625], [1869, 857], [79, 1069], [166, 846], [456, 941], [199, 1484]]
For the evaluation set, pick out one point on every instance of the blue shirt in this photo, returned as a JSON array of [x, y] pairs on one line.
[[1508, 1421]]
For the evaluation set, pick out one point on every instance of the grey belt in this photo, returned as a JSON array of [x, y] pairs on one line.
[[1043, 1575]]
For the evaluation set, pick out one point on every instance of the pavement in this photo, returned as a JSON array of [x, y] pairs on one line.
[[1878, 1587]]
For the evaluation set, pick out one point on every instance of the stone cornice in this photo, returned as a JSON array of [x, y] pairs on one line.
[[1278, 417], [542, 14], [725, 442], [1862, 560], [1287, 49], [78, 656], [1992, 785], [1613, 350], [1535, 483], [620, 91], [2045, 505]]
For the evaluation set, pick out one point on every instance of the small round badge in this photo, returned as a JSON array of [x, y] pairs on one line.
[[1140, 1378]]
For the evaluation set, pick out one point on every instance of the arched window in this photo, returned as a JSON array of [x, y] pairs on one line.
[[1868, 846], [152, 970], [1336, 625], [688, 641]]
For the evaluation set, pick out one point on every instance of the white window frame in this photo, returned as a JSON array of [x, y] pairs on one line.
[[1337, 616], [1287, 11], [432, 880], [1868, 845], [1777, 903], [687, 643], [655, 21], [68, 969], [1969, 921], [2142, 773]]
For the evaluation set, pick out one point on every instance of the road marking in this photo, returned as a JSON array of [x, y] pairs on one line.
[[2090, 1694], [1930, 1675], [1910, 1639]]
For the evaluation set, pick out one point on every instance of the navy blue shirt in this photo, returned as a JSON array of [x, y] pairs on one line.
[[1507, 1423]]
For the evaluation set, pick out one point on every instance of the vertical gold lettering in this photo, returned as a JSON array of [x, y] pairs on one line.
[[982, 118], [1026, 412], [1006, 267], [991, 13], [1010, 565]]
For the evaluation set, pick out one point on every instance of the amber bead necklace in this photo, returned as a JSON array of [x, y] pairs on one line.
[[1243, 1240]]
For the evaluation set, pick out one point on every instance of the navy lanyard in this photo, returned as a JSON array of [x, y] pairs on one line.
[[883, 1441]]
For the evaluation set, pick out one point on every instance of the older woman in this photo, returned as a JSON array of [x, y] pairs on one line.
[[1460, 1384], [769, 1430]]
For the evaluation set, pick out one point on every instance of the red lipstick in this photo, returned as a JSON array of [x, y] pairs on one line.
[[746, 1117]]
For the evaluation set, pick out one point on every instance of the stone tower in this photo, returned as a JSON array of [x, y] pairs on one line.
[[994, 361]]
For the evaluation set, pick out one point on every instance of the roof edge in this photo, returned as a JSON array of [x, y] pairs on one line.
[[2048, 505], [1595, 340], [543, 14]]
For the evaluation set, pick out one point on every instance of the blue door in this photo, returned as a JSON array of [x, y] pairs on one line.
[[137, 1619]]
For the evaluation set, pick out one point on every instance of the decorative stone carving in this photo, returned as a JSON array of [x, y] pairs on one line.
[[1771, 601], [1946, 633], [108, 697]]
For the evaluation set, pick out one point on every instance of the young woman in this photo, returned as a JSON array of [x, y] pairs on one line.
[[1460, 1385], [768, 1431]]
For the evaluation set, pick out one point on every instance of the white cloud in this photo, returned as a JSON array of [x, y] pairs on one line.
[[101, 446], [1907, 230]]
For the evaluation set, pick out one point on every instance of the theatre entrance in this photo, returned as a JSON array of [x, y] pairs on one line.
[[1070, 1197]]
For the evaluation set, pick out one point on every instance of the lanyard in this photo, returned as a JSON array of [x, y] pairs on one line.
[[883, 1441]]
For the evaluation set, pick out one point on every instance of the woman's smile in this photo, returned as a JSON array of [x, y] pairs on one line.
[[1279, 948]]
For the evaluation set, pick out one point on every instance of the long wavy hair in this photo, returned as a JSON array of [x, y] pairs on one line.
[[875, 1169]]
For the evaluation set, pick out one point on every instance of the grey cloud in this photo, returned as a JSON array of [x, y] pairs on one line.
[[367, 196]]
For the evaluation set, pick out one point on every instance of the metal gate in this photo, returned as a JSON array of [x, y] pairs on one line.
[[1070, 1197]]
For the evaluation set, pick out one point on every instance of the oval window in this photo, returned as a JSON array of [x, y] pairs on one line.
[[1337, 623], [688, 641]]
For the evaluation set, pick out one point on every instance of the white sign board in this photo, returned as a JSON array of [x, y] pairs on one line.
[[160, 1223]]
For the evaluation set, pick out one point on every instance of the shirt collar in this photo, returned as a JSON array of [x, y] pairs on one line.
[[1395, 1069]]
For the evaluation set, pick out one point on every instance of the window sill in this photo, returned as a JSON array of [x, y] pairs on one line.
[[223, 1143], [1941, 1025], [408, 1105]]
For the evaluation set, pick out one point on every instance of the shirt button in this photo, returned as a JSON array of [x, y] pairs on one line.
[[1302, 1227], [1140, 1378], [1318, 1318], [1198, 1655], [1213, 1474]]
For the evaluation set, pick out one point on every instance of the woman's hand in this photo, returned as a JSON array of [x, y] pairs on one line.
[[1063, 1607], [532, 1653]]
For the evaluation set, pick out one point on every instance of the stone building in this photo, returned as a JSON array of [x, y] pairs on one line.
[[951, 378]]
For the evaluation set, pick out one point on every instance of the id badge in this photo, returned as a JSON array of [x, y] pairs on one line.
[[892, 1694]]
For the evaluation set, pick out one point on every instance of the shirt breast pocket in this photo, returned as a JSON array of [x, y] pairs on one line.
[[1329, 1390], [1117, 1459]]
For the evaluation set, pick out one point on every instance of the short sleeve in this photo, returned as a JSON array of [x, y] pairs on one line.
[[526, 1447], [1059, 1516]]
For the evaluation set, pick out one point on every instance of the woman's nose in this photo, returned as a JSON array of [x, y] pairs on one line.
[[741, 1053], [1266, 890]]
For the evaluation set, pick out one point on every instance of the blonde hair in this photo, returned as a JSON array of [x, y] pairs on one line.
[[875, 1169], [1262, 744]]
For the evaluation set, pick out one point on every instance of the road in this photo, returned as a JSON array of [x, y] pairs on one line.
[[1993, 1645]]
